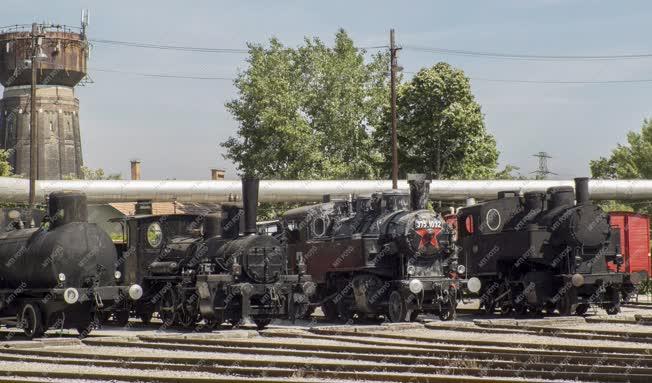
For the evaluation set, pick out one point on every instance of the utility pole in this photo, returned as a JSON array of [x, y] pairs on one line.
[[393, 69], [33, 129], [543, 171]]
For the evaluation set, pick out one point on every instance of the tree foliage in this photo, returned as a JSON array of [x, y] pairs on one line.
[[308, 112], [98, 174], [437, 113], [630, 161], [5, 167]]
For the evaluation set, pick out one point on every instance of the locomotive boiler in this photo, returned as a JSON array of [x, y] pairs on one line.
[[380, 255], [214, 268], [543, 252], [60, 274]]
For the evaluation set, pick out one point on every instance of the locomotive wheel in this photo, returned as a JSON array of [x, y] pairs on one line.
[[31, 320], [565, 305], [448, 313], [121, 318], [521, 310], [261, 323], [83, 329], [613, 308], [212, 324], [344, 311], [397, 308], [488, 307], [505, 308], [330, 311], [104, 316], [188, 318], [167, 308], [309, 311], [146, 317], [581, 309]]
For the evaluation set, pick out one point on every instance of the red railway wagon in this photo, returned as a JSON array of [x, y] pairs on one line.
[[634, 241]]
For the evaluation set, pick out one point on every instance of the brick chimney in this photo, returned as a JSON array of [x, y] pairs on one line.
[[217, 174], [135, 169]]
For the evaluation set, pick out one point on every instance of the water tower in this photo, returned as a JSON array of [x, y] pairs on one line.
[[63, 54]]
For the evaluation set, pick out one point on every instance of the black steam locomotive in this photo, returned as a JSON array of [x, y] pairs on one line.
[[545, 251], [61, 274], [384, 255], [214, 267]]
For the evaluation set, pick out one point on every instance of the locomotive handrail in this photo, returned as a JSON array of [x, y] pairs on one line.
[[210, 191]]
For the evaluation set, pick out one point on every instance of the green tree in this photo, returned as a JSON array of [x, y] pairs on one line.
[[5, 167], [441, 128], [95, 174], [308, 112], [630, 161]]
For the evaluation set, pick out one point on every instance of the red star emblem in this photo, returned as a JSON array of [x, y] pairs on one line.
[[428, 236]]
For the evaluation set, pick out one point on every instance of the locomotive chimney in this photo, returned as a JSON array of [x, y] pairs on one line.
[[419, 191], [250, 204], [212, 225], [582, 190], [135, 169], [67, 207]]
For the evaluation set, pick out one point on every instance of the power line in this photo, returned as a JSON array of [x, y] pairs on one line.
[[561, 82], [190, 48], [457, 52], [521, 56], [165, 75], [170, 47], [570, 82], [509, 81]]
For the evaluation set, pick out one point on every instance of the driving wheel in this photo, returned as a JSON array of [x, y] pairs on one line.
[[396, 308]]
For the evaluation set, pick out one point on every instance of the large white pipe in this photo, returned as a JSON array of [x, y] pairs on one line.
[[16, 189]]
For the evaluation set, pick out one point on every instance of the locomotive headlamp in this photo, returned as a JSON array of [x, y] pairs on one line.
[[61, 277], [411, 269], [577, 280], [474, 284], [135, 292], [461, 269], [71, 295], [416, 286], [117, 274]]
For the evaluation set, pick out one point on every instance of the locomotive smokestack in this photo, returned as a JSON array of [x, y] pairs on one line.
[[250, 204], [419, 190], [582, 190]]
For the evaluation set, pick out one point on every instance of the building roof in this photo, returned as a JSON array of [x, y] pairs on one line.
[[167, 208]]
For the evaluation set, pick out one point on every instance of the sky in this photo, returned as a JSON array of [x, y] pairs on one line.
[[175, 126]]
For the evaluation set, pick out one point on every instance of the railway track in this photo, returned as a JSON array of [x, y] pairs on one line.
[[338, 354]]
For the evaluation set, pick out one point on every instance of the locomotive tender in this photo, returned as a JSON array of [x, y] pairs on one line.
[[384, 255], [195, 267], [545, 251], [60, 274]]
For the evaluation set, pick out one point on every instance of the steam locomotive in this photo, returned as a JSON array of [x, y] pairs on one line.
[[379, 255], [543, 252], [214, 267], [60, 274]]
